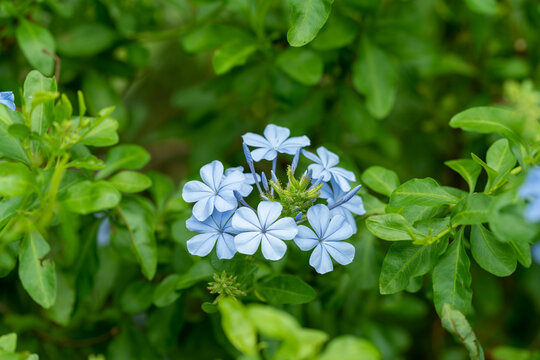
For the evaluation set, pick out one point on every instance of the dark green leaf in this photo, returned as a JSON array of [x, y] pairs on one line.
[[165, 293], [86, 40], [468, 169], [124, 157], [137, 297], [33, 39], [474, 209], [303, 65], [88, 197], [423, 192], [285, 289], [490, 253], [307, 18], [456, 324]]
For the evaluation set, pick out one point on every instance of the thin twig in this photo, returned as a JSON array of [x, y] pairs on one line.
[[58, 63]]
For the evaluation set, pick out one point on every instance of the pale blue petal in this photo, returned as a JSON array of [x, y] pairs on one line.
[[233, 181], [276, 134], [340, 210], [104, 233], [206, 226], [225, 201], [204, 208], [247, 242], [255, 140], [245, 189], [320, 260], [7, 98], [195, 190], [225, 248], [268, 212], [202, 244], [355, 205], [245, 219], [532, 211], [536, 252], [311, 156], [328, 158], [223, 219], [327, 193], [272, 248], [212, 174], [291, 146], [319, 172], [338, 229], [266, 153], [531, 186], [342, 177], [306, 238], [285, 229], [341, 251], [319, 217]]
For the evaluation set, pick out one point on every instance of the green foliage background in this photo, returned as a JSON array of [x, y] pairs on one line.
[[378, 84]]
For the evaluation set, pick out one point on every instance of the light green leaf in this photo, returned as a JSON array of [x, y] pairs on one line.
[[237, 326], [490, 120], [32, 39], [38, 276], [405, 261], [130, 182], [8, 342], [124, 157], [41, 114], [422, 192], [200, 271], [102, 132], [391, 227], [349, 347], [17, 180], [490, 253], [380, 180], [87, 197], [285, 289], [483, 7], [307, 18], [375, 76], [272, 322], [500, 157], [232, 54], [89, 162], [11, 147], [473, 209], [209, 36], [452, 279], [468, 169], [456, 323], [303, 65], [86, 40]]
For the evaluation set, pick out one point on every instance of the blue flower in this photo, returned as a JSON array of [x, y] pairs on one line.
[[217, 228], [264, 228], [216, 191], [104, 233], [355, 205], [7, 98], [276, 140], [325, 168], [535, 250], [326, 237], [530, 190], [246, 187]]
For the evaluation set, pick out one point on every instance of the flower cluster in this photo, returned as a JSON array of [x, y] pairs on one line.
[[224, 219], [530, 190]]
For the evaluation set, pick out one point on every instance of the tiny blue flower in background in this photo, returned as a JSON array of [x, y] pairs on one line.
[[216, 229], [536, 252], [264, 228], [326, 237], [325, 168], [104, 233], [216, 191], [7, 98], [355, 205], [530, 190], [276, 140]]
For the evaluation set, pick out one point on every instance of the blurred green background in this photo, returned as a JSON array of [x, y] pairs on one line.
[[189, 77]]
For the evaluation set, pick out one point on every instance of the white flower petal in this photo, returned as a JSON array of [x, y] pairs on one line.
[[245, 219], [306, 238], [341, 251], [276, 134], [202, 244], [285, 229], [204, 208], [272, 247], [225, 248], [268, 212], [320, 260], [247, 242], [195, 190], [212, 174], [291, 146]]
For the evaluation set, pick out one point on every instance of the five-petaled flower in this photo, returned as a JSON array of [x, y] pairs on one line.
[[355, 205], [216, 191], [276, 140], [7, 98], [325, 168], [264, 228], [530, 190], [216, 229], [326, 237]]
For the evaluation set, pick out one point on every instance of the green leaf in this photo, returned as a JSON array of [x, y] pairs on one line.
[[42, 115], [200, 271], [468, 169], [137, 297], [452, 279], [17, 180], [86, 40], [272, 322], [232, 54], [139, 221], [491, 173], [285, 289], [38, 276], [8, 342], [490, 120], [11, 147], [237, 326], [303, 65], [500, 157], [483, 7], [209, 36], [124, 157], [338, 32], [102, 132], [490, 253], [307, 18], [349, 347], [423, 192], [130, 182], [375, 76], [391, 227], [456, 324], [33, 39], [380, 180], [89, 162], [87, 197], [60, 313], [162, 188], [165, 293], [405, 261], [473, 209]]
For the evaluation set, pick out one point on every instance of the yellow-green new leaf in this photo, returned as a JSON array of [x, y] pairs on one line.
[[130, 182], [237, 326]]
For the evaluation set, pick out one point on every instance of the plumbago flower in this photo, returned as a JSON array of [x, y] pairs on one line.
[[7, 98], [223, 216], [530, 190]]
